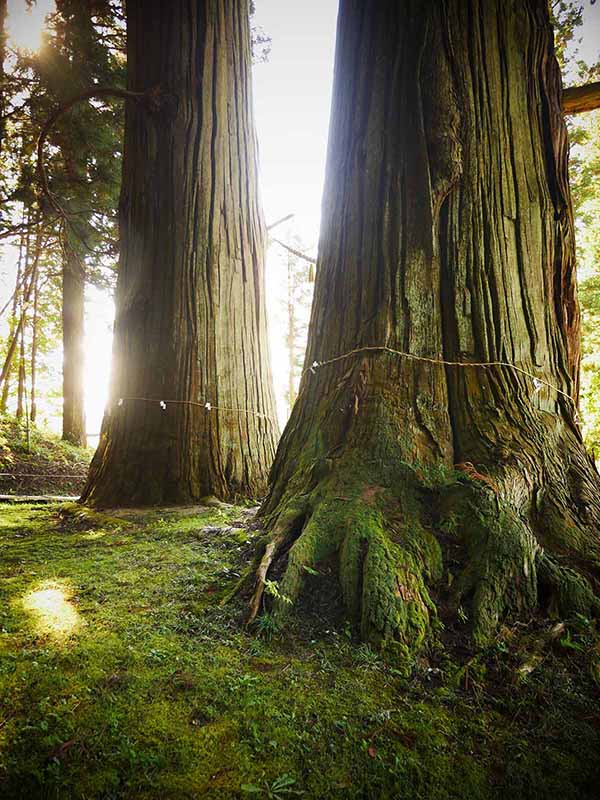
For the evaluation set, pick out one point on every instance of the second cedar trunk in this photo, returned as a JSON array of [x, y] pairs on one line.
[[190, 307], [442, 493]]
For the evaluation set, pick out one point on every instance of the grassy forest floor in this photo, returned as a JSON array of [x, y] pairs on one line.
[[122, 676], [33, 462]]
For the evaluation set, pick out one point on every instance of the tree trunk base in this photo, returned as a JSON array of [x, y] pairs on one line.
[[444, 330], [430, 546]]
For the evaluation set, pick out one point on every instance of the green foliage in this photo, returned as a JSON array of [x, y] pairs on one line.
[[277, 790], [83, 47], [83, 152], [272, 588], [587, 193], [267, 626], [567, 16]]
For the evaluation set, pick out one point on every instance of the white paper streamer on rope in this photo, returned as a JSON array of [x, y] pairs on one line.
[[538, 383], [205, 405]]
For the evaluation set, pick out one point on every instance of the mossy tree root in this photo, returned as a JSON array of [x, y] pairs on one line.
[[284, 532], [506, 572], [404, 552]]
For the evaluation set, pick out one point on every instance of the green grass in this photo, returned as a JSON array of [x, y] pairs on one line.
[[39, 462], [147, 688]]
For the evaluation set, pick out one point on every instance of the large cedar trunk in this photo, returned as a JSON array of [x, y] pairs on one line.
[[190, 324], [73, 332], [447, 234]]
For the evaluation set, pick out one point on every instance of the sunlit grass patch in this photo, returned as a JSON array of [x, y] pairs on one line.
[[53, 610], [92, 535]]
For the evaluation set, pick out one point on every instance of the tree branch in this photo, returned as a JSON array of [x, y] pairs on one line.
[[279, 221], [96, 93], [578, 99], [297, 253], [6, 233]]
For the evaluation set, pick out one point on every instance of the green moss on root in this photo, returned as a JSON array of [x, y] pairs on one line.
[[383, 525]]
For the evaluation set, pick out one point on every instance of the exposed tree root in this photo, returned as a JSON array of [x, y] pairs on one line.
[[409, 547], [283, 533]]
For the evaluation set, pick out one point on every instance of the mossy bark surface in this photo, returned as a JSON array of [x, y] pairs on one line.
[[447, 233], [190, 307]]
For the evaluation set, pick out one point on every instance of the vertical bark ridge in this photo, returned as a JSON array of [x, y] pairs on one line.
[[518, 322]]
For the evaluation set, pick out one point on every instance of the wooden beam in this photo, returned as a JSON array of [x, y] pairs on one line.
[[577, 99]]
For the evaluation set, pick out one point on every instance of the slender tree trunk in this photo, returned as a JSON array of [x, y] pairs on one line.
[[190, 323], [447, 234], [34, 348], [13, 323], [29, 277], [20, 333], [73, 325], [22, 374], [3, 9]]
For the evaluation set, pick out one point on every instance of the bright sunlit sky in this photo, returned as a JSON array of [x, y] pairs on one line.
[[292, 93]]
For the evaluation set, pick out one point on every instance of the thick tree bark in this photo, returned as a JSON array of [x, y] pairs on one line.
[[73, 333], [190, 324], [447, 233]]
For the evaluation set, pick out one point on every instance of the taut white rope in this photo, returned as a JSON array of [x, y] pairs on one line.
[[205, 405], [537, 382]]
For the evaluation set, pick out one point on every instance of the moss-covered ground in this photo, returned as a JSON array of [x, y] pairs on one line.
[[123, 676], [37, 462]]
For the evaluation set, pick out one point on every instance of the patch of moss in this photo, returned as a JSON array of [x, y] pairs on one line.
[[161, 692]]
